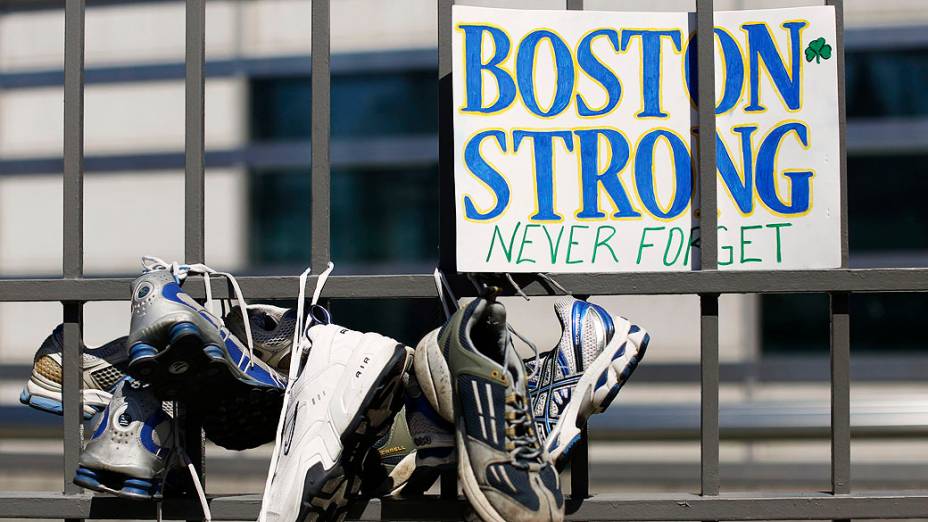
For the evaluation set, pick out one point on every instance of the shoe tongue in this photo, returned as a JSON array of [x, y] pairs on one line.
[[489, 332]]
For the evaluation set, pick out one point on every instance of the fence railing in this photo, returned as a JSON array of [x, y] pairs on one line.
[[73, 290]]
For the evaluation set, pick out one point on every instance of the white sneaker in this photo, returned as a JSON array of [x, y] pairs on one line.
[[339, 401]]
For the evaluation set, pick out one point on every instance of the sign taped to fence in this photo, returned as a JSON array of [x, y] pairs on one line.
[[574, 140]]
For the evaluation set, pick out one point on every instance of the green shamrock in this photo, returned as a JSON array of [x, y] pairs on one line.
[[817, 50]]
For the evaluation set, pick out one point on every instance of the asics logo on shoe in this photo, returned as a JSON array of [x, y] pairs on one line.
[[289, 427]]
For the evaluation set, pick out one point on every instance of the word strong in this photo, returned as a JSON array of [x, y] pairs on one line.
[[574, 136]]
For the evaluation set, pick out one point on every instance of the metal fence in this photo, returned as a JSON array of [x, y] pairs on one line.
[[73, 290]]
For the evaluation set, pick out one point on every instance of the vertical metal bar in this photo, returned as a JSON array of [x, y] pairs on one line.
[[842, 123], [708, 218], [321, 126], [194, 181], [580, 455], [840, 302], [840, 393], [73, 233], [446, 217], [709, 404], [194, 190]]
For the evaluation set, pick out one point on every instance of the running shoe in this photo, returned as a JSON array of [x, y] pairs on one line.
[[103, 367], [131, 445], [339, 402], [271, 330], [502, 466], [582, 375], [418, 448], [186, 353]]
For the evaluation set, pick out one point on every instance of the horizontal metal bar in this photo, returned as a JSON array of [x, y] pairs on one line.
[[397, 151], [422, 285], [663, 506], [374, 62]]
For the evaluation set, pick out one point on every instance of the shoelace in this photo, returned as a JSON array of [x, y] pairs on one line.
[[296, 356], [522, 443], [179, 458], [181, 271]]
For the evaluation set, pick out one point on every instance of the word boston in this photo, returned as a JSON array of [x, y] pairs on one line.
[[574, 137]]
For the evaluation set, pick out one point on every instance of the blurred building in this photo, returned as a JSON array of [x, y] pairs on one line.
[[384, 210]]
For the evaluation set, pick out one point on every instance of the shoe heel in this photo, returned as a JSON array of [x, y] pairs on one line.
[[141, 358], [87, 478], [138, 488], [181, 331]]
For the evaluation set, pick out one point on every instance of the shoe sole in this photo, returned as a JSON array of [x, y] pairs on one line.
[[594, 392], [116, 483], [434, 376], [41, 398], [240, 414], [326, 493]]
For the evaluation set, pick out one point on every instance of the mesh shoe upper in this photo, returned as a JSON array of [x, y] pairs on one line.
[[586, 331], [103, 366], [271, 329]]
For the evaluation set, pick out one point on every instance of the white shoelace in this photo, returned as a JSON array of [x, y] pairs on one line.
[[181, 271], [442, 286], [180, 454], [296, 353]]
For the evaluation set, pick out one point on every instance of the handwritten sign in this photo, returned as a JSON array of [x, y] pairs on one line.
[[574, 140]]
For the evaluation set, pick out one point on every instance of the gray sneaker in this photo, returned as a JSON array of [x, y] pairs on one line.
[[187, 353], [418, 448], [102, 366], [502, 466], [130, 446]]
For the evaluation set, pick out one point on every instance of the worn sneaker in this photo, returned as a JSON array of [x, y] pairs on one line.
[[130, 446], [502, 466], [103, 367], [271, 330], [187, 353], [339, 402], [418, 448], [581, 376]]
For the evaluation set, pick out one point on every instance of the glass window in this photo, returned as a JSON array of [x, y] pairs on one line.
[[885, 179], [887, 83], [378, 216], [363, 105], [880, 323]]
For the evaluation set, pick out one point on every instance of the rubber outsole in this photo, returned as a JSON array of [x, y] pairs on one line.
[[116, 483], [237, 414], [326, 493], [53, 406]]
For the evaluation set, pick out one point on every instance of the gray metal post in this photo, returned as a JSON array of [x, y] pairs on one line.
[[73, 234], [839, 308], [321, 128], [194, 189], [449, 479], [580, 455], [709, 305]]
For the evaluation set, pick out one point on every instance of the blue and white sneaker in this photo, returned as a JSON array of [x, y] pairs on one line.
[[131, 445], [582, 375], [186, 353], [103, 367]]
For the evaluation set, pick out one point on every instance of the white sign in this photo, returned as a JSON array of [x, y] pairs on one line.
[[574, 142]]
